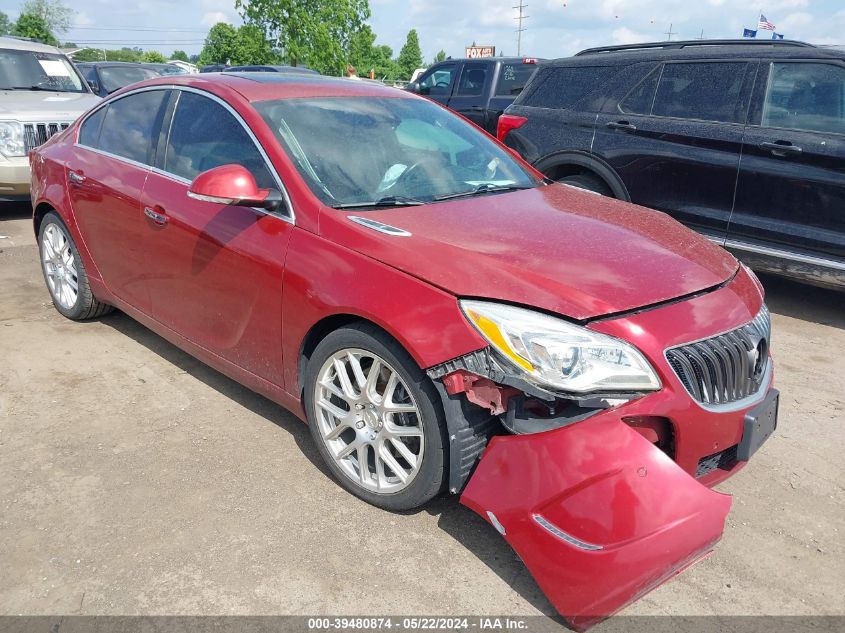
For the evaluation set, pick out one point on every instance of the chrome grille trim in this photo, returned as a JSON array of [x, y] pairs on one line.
[[725, 369], [36, 134]]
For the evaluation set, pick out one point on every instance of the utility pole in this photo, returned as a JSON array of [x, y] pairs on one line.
[[670, 33], [702, 34], [519, 18]]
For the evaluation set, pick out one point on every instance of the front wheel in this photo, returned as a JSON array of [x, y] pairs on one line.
[[376, 418], [64, 272]]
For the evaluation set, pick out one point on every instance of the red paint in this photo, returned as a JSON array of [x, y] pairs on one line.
[[232, 182], [242, 290]]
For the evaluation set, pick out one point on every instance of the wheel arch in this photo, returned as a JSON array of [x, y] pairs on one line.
[[570, 163], [38, 213]]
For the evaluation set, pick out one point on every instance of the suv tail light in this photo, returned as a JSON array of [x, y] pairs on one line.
[[508, 122]]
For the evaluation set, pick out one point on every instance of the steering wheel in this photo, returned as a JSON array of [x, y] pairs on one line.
[[441, 84]]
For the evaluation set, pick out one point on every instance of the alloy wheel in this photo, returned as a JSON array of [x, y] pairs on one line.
[[369, 421], [59, 266]]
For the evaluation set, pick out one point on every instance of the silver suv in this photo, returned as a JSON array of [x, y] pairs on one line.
[[41, 93]]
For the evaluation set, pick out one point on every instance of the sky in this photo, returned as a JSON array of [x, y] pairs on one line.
[[554, 28]]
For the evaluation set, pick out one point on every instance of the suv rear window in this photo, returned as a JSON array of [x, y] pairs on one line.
[[563, 87], [707, 91], [512, 79]]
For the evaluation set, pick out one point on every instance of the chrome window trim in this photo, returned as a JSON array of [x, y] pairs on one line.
[[290, 218]]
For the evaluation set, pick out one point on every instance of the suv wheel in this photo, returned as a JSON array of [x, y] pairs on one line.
[[589, 182]]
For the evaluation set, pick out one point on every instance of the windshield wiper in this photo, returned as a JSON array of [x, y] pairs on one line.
[[34, 87], [485, 188], [386, 201]]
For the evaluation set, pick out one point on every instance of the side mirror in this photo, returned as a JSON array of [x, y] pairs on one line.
[[233, 185], [413, 86]]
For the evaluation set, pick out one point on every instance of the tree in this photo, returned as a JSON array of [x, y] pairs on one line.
[[441, 56], [219, 44], [316, 33], [5, 24], [180, 55], [57, 16], [410, 57], [32, 26], [252, 47], [153, 57]]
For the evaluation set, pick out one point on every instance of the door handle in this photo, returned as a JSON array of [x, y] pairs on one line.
[[75, 177], [782, 148], [158, 218], [623, 126]]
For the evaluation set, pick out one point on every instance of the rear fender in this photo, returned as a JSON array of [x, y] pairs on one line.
[[599, 515]]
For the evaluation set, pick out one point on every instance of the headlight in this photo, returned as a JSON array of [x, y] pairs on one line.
[[560, 355], [11, 139]]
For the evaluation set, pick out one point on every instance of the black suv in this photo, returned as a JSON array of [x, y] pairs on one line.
[[743, 141], [479, 89]]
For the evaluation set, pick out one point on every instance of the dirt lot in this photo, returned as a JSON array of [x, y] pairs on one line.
[[135, 480]]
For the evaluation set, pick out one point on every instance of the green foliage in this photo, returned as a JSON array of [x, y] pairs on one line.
[[99, 55], [180, 55], [238, 47], [441, 56], [219, 44], [5, 24], [316, 33], [33, 26], [57, 17], [88, 55], [366, 56], [153, 57], [410, 57]]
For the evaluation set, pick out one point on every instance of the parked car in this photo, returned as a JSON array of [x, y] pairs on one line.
[[41, 93], [742, 141], [108, 77], [301, 70], [167, 69], [579, 369], [478, 89]]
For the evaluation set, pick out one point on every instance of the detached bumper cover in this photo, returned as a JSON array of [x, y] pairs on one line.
[[598, 514]]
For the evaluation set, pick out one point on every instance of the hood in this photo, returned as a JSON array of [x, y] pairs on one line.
[[556, 248], [37, 106]]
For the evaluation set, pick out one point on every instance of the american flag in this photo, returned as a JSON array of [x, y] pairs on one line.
[[765, 24]]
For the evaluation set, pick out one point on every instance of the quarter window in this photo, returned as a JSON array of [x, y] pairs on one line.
[[89, 131], [130, 124], [806, 97], [640, 99], [708, 91], [472, 80], [563, 87], [205, 135], [512, 79]]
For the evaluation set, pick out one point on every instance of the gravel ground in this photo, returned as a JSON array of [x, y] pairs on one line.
[[136, 480]]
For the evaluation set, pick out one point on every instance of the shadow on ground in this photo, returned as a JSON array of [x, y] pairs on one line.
[[15, 211], [457, 521], [807, 303]]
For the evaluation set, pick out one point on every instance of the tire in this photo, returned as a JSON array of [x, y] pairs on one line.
[[422, 433], [62, 267], [590, 182]]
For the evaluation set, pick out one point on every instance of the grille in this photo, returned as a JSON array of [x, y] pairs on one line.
[[35, 134], [725, 368], [725, 460]]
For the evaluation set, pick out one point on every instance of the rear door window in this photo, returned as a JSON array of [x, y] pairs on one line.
[[205, 135], [641, 98], [473, 78], [707, 91], [512, 79], [807, 97], [564, 87], [130, 125]]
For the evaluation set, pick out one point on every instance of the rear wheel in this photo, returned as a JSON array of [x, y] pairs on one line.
[[589, 182], [64, 272], [375, 418]]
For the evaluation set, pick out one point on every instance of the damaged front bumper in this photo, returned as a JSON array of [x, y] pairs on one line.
[[598, 514]]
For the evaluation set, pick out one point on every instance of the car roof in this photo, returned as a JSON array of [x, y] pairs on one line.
[[27, 45], [263, 86], [697, 49]]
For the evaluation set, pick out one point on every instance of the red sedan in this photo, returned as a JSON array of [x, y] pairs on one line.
[[578, 369]]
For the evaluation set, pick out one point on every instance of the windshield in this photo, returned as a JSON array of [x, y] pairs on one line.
[[31, 70], [357, 150], [116, 77]]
